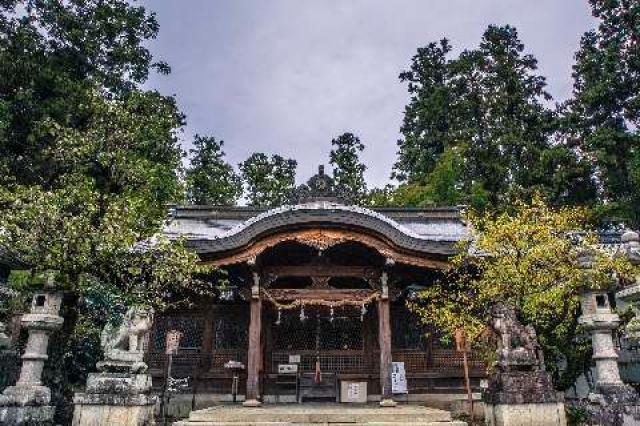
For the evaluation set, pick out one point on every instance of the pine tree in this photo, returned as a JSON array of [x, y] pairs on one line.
[[348, 170], [603, 117], [210, 179], [268, 181], [487, 108]]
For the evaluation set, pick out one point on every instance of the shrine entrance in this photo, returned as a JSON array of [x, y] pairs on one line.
[[320, 314]]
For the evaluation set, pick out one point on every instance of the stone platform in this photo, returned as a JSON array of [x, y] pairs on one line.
[[319, 413]]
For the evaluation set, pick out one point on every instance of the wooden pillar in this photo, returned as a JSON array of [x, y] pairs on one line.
[[384, 337], [253, 357]]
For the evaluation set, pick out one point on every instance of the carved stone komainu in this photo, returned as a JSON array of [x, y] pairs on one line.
[[520, 390], [518, 347], [121, 392], [122, 343]]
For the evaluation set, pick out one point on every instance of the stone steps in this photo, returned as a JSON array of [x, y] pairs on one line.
[[325, 414], [416, 423]]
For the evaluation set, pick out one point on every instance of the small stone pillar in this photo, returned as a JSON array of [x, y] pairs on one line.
[[612, 403], [520, 391], [121, 392], [5, 341], [28, 401]]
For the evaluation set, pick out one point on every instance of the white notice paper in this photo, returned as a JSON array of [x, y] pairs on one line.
[[398, 378]]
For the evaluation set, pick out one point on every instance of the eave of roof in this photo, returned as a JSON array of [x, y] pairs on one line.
[[387, 223]]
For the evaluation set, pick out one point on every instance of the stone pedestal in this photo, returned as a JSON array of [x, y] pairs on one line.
[[28, 401], [612, 403], [523, 398], [120, 394], [115, 398]]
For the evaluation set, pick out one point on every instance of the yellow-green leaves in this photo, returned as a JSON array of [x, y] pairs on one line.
[[529, 258]]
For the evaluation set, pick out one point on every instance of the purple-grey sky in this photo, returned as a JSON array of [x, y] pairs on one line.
[[286, 76]]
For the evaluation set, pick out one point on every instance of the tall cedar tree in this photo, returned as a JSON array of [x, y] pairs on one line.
[[348, 170], [482, 114], [210, 179], [269, 181], [603, 118]]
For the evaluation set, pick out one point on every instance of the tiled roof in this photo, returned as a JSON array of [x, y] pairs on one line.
[[217, 229]]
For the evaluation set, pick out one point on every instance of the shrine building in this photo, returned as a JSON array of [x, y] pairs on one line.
[[315, 302]]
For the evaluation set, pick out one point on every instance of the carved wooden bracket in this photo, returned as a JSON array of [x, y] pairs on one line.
[[322, 239]]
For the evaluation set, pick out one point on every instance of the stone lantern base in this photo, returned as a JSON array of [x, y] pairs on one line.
[[26, 405], [614, 405], [115, 398], [518, 398], [27, 415]]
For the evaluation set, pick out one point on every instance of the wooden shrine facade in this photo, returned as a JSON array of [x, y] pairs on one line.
[[319, 283]]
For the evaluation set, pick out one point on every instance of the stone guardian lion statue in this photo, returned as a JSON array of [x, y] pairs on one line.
[[123, 343]]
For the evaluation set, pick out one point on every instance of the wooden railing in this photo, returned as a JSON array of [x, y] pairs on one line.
[[417, 361], [334, 361]]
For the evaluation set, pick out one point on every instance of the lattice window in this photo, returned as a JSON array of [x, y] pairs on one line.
[[345, 332], [407, 332], [191, 326], [229, 333]]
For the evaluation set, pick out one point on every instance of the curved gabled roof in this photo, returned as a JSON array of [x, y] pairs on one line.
[[331, 214]]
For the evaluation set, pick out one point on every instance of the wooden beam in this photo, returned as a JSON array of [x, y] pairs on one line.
[[322, 271]]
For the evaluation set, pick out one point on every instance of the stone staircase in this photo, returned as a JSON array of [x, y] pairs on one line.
[[314, 414]]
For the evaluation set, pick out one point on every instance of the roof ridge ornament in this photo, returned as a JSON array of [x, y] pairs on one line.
[[320, 187]]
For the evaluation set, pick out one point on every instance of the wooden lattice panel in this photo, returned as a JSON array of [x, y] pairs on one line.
[[339, 362]]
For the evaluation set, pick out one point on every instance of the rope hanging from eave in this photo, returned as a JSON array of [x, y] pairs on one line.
[[319, 302]]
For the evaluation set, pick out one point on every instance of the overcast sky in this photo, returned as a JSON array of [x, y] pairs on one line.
[[286, 76]]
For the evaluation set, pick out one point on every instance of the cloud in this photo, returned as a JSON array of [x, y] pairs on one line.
[[286, 76]]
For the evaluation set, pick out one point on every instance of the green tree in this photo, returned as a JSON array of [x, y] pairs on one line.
[[210, 179], [52, 57], [526, 258], [348, 170], [603, 117], [487, 108], [88, 162], [427, 121], [269, 181]]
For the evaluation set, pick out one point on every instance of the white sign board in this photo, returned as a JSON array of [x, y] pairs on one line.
[[354, 392], [294, 359], [398, 378], [287, 368]]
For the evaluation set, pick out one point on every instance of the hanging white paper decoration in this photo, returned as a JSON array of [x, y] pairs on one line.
[[302, 315], [278, 321]]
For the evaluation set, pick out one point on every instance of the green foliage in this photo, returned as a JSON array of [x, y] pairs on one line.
[[528, 258], [348, 170], [603, 117], [88, 162], [210, 179], [476, 130], [577, 416], [53, 56], [269, 181]]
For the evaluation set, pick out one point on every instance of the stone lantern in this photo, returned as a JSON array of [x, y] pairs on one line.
[[599, 320], [612, 402], [28, 401]]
